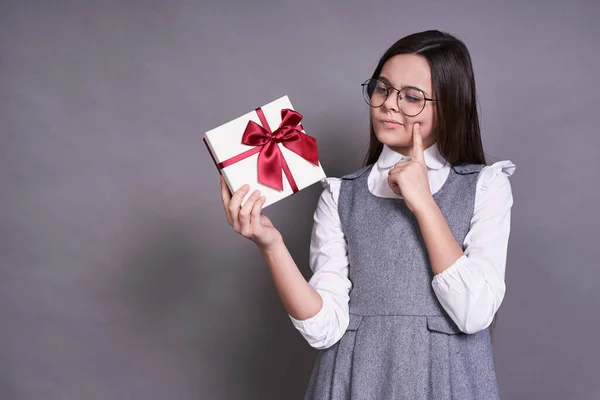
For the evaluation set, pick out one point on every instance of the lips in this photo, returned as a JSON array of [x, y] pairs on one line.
[[389, 123]]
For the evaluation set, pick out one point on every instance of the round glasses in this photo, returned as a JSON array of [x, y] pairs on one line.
[[411, 101]]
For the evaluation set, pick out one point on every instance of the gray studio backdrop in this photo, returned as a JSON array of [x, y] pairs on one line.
[[119, 276]]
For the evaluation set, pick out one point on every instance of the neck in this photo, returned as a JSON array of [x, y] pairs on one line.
[[405, 151]]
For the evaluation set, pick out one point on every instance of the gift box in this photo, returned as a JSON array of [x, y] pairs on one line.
[[267, 149]]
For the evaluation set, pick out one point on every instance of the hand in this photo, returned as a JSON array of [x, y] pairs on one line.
[[248, 220], [409, 178]]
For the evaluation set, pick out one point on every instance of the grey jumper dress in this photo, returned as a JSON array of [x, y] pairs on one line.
[[400, 342]]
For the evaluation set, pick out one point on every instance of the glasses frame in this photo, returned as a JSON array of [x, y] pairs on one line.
[[398, 98]]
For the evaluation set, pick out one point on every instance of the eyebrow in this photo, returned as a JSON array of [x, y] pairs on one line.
[[386, 80]]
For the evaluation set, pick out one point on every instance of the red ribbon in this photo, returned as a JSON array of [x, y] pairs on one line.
[[271, 160]]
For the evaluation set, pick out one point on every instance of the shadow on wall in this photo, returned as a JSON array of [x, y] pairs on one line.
[[209, 320]]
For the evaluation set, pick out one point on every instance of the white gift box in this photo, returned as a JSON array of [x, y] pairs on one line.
[[225, 142]]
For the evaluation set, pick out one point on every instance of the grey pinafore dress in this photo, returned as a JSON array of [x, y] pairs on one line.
[[400, 342]]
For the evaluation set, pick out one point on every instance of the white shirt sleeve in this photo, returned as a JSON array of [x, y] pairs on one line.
[[472, 289], [329, 263]]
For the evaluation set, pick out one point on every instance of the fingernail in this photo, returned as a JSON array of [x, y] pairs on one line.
[[256, 193], [245, 187]]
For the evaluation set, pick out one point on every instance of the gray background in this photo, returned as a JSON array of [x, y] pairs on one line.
[[119, 276]]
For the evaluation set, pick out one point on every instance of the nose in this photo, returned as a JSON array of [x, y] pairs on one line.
[[391, 103]]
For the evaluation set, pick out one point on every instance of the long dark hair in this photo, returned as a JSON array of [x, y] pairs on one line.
[[457, 122]]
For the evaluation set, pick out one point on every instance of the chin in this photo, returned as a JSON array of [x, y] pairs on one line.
[[396, 137]]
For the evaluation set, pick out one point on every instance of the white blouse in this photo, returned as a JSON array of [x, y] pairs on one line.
[[470, 290]]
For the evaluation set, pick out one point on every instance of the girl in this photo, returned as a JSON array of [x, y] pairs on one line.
[[408, 253]]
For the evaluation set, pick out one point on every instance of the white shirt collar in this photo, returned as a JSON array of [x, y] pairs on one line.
[[389, 157]]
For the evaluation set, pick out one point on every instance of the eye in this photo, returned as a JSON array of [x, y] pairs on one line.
[[380, 88], [412, 96]]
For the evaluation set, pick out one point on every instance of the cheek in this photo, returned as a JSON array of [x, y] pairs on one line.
[[427, 121], [427, 117], [375, 111]]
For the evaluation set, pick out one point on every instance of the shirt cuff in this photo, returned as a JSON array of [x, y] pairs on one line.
[[312, 328], [453, 272]]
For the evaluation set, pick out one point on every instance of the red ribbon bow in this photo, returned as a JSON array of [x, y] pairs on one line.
[[271, 160]]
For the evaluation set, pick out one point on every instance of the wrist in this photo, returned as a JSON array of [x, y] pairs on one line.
[[272, 246], [426, 207]]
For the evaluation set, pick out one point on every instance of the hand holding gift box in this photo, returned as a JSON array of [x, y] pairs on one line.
[[268, 150]]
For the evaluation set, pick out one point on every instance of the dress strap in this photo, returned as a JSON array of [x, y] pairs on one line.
[[465, 169]]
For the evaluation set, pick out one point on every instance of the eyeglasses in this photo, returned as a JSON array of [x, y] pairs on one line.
[[411, 101]]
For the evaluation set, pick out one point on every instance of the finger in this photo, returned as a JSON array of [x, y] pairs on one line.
[[234, 204], [393, 185], [226, 198], [398, 167], [255, 216], [401, 164], [244, 215], [417, 151]]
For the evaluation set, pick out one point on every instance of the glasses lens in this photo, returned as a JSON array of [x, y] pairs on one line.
[[375, 92], [412, 101]]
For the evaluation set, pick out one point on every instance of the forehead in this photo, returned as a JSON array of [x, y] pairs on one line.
[[408, 70]]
